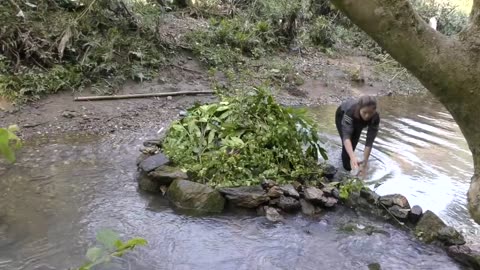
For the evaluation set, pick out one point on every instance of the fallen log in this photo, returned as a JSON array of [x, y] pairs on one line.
[[164, 94]]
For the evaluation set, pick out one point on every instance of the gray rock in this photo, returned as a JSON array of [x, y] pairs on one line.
[[307, 208], [313, 194], [152, 150], [272, 214], [297, 186], [275, 192], [465, 255], [415, 214], [431, 228], [195, 197], [370, 195], [327, 190], [266, 184], [329, 201], [248, 197], [153, 162], [261, 210], [289, 190], [336, 193], [165, 175], [331, 191], [329, 171], [449, 236], [288, 204], [398, 212], [141, 158], [153, 142], [69, 114], [395, 199]]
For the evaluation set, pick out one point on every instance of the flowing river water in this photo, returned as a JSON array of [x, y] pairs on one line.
[[64, 189]]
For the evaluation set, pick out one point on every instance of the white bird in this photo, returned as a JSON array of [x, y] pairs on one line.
[[433, 23]]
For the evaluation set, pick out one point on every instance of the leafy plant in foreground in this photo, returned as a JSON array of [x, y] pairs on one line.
[[111, 247], [9, 142], [243, 140], [350, 186]]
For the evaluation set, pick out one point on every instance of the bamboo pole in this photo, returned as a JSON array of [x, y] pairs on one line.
[[165, 94]]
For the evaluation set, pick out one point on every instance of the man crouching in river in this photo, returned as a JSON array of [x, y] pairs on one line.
[[351, 117]]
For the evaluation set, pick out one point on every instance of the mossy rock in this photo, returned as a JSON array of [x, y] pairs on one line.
[[195, 198], [431, 228]]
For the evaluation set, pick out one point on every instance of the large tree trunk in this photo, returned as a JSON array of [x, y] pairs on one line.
[[449, 67]]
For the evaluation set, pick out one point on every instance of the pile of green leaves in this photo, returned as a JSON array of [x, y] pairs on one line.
[[244, 139], [111, 246], [9, 143], [66, 44]]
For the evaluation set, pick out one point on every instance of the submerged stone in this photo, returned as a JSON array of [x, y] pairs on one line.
[[147, 184], [449, 236], [152, 162], [374, 266], [248, 197], [307, 208], [195, 197], [465, 255], [272, 214]]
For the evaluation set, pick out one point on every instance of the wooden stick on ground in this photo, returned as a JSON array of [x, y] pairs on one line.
[[165, 94]]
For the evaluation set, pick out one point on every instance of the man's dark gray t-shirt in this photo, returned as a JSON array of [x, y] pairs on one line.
[[352, 122]]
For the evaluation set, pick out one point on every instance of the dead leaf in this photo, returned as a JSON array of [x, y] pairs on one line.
[[163, 189], [63, 42]]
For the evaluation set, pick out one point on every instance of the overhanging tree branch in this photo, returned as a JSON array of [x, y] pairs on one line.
[[475, 13], [448, 67], [397, 28]]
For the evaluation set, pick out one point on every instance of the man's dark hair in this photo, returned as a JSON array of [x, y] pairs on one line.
[[367, 101]]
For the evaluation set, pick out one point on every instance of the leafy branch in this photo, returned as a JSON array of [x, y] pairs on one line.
[[111, 247], [9, 142]]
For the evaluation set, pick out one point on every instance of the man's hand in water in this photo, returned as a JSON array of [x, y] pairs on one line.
[[354, 163], [363, 170]]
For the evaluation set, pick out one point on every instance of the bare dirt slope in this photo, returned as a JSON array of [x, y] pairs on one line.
[[326, 79]]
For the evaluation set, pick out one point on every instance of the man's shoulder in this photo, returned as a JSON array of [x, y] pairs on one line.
[[348, 105]]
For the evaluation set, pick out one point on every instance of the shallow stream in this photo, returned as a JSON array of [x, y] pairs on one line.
[[62, 190]]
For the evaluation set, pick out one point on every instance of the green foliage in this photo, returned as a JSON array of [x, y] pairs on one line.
[[110, 246], [59, 47], [350, 186], [9, 142], [322, 32], [243, 140], [227, 40]]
